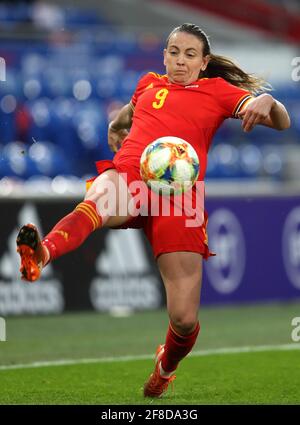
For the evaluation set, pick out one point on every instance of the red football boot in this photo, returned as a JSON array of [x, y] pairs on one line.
[[31, 251], [157, 385]]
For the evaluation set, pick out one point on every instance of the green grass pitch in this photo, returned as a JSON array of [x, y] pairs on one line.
[[270, 376]]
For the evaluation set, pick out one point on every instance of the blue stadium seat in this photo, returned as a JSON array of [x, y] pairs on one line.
[[17, 161], [40, 112], [107, 87], [250, 160], [273, 160], [226, 158], [48, 159]]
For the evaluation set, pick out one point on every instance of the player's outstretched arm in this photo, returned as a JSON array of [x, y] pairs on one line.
[[117, 129], [265, 110]]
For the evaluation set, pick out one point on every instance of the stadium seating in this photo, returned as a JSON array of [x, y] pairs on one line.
[[56, 104]]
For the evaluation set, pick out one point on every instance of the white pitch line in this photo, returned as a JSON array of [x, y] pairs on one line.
[[228, 350]]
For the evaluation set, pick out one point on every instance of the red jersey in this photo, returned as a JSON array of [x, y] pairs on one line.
[[193, 112]]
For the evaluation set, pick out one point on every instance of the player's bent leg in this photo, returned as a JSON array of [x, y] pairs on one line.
[[111, 196], [69, 233], [181, 273]]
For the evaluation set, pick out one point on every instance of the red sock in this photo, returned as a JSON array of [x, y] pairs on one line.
[[177, 347], [71, 231]]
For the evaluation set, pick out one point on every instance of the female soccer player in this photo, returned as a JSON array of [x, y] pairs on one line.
[[197, 93]]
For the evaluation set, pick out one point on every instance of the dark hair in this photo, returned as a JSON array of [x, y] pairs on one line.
[[222, 66]]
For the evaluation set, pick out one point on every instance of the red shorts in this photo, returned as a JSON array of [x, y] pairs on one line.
[[166, 233]]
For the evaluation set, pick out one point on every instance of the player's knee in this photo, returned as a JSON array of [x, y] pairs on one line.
[[94, 193], [184, 324], [104, 197]]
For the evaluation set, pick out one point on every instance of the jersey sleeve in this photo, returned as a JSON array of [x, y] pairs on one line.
[[232, 99], [142, 85]]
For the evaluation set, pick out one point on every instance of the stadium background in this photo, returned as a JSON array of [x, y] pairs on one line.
[[67, 68]]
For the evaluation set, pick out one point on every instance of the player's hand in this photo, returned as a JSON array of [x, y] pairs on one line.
[[257, 111], [115, 138]]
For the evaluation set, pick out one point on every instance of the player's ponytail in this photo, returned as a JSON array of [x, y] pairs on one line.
[[221, 66]]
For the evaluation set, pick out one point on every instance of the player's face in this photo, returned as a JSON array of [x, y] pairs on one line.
[[183, 58]]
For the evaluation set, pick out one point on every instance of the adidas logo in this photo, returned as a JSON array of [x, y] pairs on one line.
[[17, 297], [124, 279]]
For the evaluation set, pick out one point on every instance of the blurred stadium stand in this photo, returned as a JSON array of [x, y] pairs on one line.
[[271, 17], [63, 86], [70, 65]]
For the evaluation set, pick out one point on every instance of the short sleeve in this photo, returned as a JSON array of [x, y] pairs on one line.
[[142, 85], [232, 99]]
